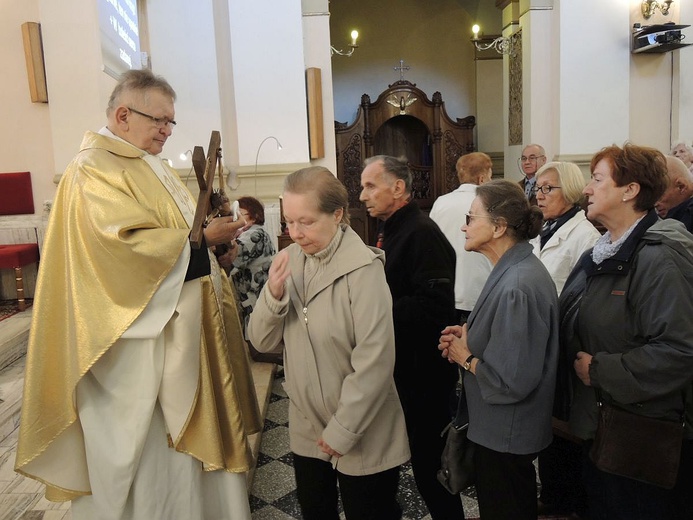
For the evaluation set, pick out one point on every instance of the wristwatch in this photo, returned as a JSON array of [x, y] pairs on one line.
[[467, 365]]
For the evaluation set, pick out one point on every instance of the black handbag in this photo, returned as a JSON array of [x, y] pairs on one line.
[[456, 471], [637, 447]]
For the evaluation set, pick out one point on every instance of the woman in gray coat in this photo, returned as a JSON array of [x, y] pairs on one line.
[[509, 348], [327, 302]]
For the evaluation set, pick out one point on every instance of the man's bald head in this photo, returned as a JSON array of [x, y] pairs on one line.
[[680, 186]]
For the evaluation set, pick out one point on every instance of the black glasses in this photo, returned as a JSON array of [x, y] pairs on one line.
[[545, 189], [469, 217], [160, 122], [532, 158]]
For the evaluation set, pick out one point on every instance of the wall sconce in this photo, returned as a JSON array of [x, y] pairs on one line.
[[501, 44], [257, 155], [183, 156], [650, 6], [352, 46]]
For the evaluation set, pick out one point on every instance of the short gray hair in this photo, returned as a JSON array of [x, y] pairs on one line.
[[141, 81], [330, 193], [398, 167]]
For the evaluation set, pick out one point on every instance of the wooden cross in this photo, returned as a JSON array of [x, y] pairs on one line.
[[205, 168], [401, 69]]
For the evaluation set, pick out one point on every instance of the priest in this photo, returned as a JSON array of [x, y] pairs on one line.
[[138, 396]]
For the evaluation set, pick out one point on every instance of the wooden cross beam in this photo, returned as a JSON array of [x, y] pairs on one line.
[[205, 168]]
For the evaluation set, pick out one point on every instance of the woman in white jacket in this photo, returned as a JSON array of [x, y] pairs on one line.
[[566, 233], [565, 236], [327, 302]]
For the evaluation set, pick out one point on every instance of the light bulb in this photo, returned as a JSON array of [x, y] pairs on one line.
[[475, 30], [354, 36]]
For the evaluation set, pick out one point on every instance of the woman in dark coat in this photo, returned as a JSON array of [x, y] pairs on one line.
[[626, 323]]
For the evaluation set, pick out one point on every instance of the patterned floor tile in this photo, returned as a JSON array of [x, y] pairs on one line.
[[273, 481], [278, 411], [275, 442]]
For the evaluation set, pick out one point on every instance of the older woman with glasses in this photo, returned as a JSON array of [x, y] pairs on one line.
[[509, 347], [566, 232], [626, 324]]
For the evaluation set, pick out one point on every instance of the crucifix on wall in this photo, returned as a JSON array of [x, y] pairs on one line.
[[402, 67]]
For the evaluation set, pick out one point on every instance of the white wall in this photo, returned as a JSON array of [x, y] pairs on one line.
[[682, 122], [593, 76], [660, 86], [78, 89], [316, 27], [270, 93], [183, 50], [583, 89]]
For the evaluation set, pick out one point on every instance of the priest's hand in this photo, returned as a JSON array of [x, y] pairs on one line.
[[222, 230], [278, 273]]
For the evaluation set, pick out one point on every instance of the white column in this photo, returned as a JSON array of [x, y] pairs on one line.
[[316, 48], [594, 80]]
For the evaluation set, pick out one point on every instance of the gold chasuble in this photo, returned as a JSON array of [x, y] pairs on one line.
[[114, 235]]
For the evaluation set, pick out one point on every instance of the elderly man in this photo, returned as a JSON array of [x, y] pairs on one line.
[[533, 158], [420, 270], [138, 396], [676, 202], [449, 212]]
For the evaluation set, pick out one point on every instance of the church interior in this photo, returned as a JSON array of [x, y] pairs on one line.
[[288, 86]]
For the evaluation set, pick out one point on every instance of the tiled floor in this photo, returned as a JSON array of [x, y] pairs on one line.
[[273, 495]]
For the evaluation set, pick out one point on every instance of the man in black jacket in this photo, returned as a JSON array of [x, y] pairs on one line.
[[420, 270]]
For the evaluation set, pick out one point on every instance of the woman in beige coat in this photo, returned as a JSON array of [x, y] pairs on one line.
[[326, 300]]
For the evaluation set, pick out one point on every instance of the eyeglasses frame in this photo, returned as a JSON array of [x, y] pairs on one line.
[[546, 189], [160, 122], [470, 217]]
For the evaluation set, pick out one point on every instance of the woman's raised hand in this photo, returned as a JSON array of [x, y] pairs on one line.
[[278, 273]]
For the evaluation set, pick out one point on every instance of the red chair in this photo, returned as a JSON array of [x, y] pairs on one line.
[[17, 198], [15, 257]]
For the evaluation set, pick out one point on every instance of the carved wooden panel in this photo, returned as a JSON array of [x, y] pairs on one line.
[[515, 91], [402, 121], [352, 158]]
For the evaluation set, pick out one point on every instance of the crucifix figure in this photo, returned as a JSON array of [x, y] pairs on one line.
[[401, 69]]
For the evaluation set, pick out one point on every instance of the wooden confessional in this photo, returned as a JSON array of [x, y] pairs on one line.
[[402, 121]]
